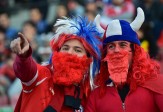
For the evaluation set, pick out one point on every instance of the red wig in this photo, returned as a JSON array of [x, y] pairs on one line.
[[143, 68]]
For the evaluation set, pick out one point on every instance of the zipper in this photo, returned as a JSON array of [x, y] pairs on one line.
[[123, 106], [123, 103]]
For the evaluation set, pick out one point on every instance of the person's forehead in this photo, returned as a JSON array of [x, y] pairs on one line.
[[120, 41], [73, 42]]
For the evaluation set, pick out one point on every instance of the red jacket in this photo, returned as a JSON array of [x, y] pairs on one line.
[[140, 100], [38, 88]]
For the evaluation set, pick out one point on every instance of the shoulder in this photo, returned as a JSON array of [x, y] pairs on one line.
[[44, 70], [155, 85]]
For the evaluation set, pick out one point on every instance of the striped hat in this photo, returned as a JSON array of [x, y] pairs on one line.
[[122, 30]]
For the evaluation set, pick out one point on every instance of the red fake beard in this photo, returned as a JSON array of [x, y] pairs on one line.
[[69, 69], [118, 65]]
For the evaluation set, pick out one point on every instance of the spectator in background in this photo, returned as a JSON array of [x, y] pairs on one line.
[[74, 8], [4, 51], [37, 17], [4, 84], [5, 23], [144, 42], [29, 30], [153, 10], [91, 10], [7, 68], [90, 15], [4, 81], [7, 77], [4, 5], [41, 4], [44, 50], [10, 86], [60, 12], [118, 9], [147, 40], [14, 91], [91, 7], [2, 46]]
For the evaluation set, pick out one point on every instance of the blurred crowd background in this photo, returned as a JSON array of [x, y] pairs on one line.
[[35, 19]]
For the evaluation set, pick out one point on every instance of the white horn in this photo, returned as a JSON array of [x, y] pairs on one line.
[[97, 21], [136, 24]]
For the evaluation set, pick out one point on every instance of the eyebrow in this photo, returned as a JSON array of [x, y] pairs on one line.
[[73, 46], [123, 42], [78, 47], [110, 43], [65, 46]]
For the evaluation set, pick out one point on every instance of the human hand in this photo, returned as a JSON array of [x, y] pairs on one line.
[[20, 45]]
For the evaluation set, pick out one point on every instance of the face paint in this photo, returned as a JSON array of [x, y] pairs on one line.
[[118, 65], [69, 69]]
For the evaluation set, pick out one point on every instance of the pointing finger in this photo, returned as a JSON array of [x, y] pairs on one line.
[[22, 37]]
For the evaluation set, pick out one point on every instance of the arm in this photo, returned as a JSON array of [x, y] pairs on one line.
[[24, 66]]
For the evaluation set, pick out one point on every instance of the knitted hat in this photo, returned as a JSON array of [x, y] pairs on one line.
[[122, 30]]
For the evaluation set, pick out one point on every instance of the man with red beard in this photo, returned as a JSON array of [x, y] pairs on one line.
[[129, 81], [64, 84]]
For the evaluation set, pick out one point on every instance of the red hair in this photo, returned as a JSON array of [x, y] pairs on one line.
[[143, 68], [65, 37]]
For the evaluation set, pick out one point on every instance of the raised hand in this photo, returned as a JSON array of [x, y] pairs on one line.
[[20, 45]]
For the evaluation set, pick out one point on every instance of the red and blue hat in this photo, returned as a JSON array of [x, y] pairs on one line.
[[122, 30]]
